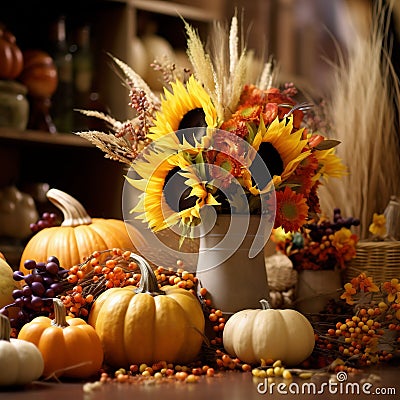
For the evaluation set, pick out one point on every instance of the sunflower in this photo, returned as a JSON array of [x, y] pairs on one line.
[[280, 149], [172, 189], [291, 210], [184, 107], [330, 165]]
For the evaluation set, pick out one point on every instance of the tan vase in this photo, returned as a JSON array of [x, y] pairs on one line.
[[234, 279], [315, 288]]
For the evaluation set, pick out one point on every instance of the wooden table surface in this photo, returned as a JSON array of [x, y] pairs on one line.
[[224, 385]]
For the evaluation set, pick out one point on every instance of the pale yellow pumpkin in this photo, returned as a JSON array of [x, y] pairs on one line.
[[78, 236], [255, 334], [148, 324], [7, 284]]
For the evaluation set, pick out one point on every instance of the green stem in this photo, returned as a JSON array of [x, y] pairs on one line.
[[5, 328], [59, 314], [148, 281], [264, 304]]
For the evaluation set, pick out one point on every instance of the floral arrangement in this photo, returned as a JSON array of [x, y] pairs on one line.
[[220, 136], [320, 245]]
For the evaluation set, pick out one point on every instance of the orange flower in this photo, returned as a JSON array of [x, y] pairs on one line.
[[364, 283], [291, 210], [392, 288], [224, 168], [348, 293], [345, 244]]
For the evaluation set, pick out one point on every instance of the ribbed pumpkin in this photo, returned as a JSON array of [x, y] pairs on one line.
[[69, 346], [11, 58], [78, 236], [148, 324], [252, 335]]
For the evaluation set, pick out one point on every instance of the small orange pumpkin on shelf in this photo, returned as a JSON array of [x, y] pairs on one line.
[[78, 236], [69, 346], [11, 58]]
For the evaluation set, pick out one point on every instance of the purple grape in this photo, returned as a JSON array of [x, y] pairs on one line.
[[18, 275], [37, 278], [57, 288], [30, 264], [26, 291], [38, 288], [29, 279], [19, 302], [41, 266], [17, 293], [48, 281], [54, 260], [34, 227], [27, 301], [36, 302], [50, 293], [42, 224], [52, 268], [53, 217]]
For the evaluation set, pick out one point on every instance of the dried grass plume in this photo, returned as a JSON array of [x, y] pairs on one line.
[[363, 112]]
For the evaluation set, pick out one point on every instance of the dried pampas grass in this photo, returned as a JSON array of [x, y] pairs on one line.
[[363, 112]]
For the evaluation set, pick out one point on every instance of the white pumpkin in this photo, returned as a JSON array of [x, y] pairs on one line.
[[17, 212], [20, 361], [255, 334]]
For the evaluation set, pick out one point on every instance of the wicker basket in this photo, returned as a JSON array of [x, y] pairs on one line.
[[381, 260]]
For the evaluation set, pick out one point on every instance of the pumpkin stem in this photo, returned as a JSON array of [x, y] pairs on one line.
[[148, 281], [264, 304], [74, 213], [59, 314], [5, 328]]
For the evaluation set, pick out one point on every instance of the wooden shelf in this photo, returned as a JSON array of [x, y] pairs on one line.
[[205, 14], [175, 9], [30, 136]]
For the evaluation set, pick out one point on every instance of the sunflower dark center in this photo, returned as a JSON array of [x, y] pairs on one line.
[[195, 118], [176, 192], [272, 160]]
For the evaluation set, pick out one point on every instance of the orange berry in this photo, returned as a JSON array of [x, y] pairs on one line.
[[210, 372], [84, 312], [74, 269], [72, 278]]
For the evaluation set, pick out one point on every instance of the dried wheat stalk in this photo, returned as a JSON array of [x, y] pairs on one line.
[[363, 115]]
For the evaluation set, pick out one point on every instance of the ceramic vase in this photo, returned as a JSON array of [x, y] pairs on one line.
[[235, 278]]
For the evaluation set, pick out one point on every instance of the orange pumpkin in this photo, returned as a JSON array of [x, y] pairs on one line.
[[39, 74], [69, 346], [11, 58], [78, 236]]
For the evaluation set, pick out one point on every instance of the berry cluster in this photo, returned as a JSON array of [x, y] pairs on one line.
[[47, 220], [101, 271], [324, 228], [322, 244], [36, 296]]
